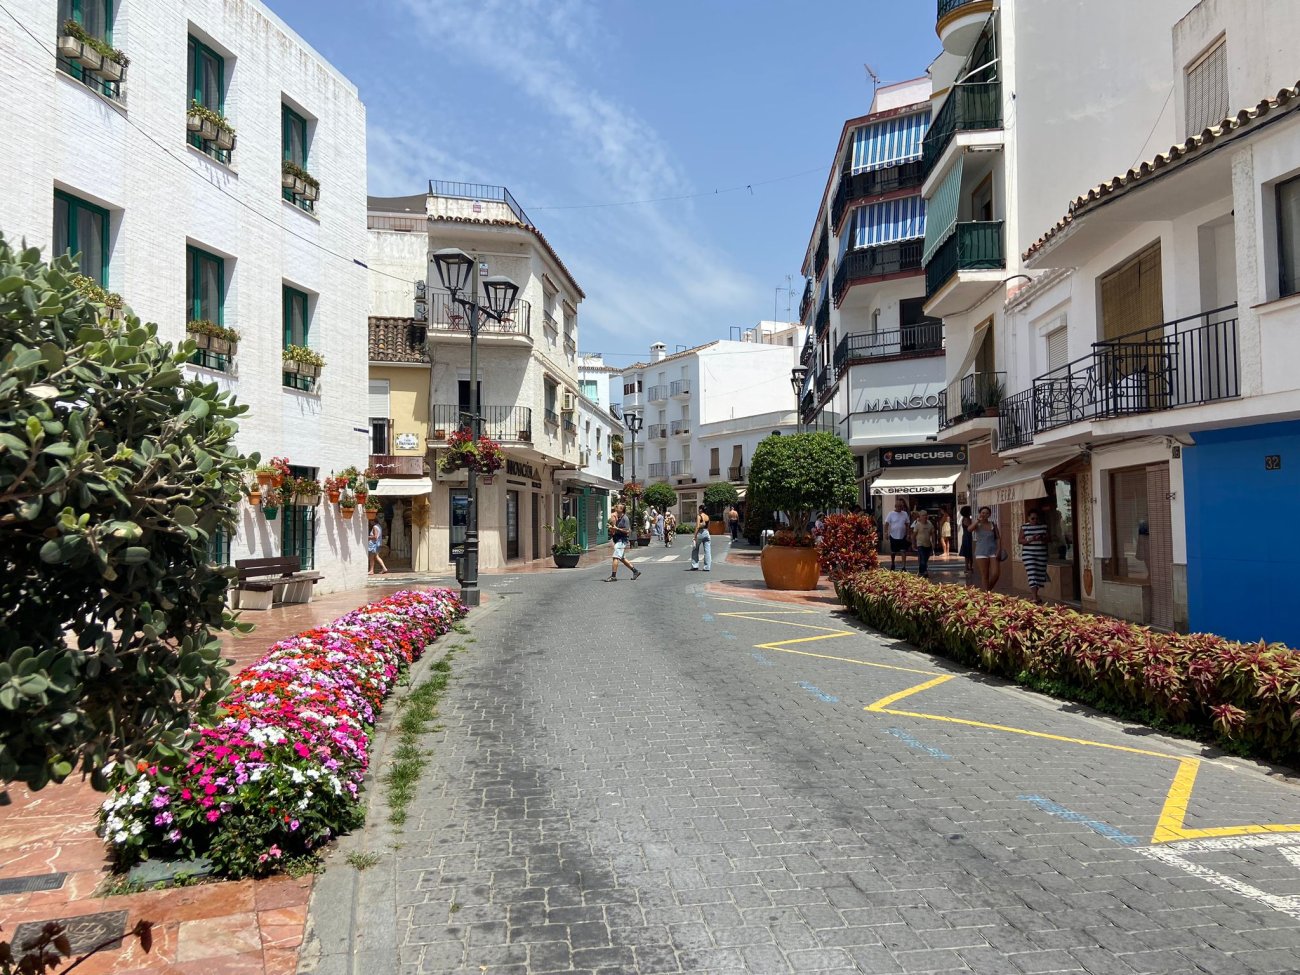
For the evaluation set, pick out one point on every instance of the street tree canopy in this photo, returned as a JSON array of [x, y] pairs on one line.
[[719, 494], [661, 495], [801, 476], [116, 471]]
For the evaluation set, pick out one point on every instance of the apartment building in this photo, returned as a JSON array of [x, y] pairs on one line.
[[211, 171], [874, 358], [706, 408], [420, 375]]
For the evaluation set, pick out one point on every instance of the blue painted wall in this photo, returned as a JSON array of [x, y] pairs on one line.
[[1243, 554]]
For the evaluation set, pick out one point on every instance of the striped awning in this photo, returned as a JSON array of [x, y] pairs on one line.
[[941, 211], [885, 223], [888, 143]]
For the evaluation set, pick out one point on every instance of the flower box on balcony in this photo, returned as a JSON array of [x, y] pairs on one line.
[[70, 47], [194, 122], [302, 360], [112, 70], [89, 58], [213, 337], [224, 139]]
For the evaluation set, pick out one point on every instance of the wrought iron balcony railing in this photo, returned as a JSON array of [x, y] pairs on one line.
[[975, 395], [657, 394], [681, 427], [875, 182], [876, 262], [924, 338], [805, 303], [948, 6], [510, 424], [446, 315], [659, 469], [973, 246], [971, 106], [681, 468], [679, 387], [657, 431], [822, 254], [736, 473], [1016, 420]]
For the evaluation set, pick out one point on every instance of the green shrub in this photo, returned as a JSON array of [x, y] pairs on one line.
[[115, 472], [661, 495], [802, 475], [718, 496]]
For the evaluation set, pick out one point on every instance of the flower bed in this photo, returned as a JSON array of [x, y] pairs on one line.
[[280, 774], [1243, 693]]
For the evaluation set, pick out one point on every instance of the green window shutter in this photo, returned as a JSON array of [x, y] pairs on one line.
[[296, 325]]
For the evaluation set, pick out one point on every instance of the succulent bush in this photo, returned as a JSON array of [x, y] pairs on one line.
[[115, 471]]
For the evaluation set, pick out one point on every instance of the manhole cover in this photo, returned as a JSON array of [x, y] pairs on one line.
[[83, 933], [25, 885]]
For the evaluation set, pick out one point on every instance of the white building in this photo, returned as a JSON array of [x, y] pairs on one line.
[[596, 380], [704, 410], [191, 228], [588, 489], [420, 375]]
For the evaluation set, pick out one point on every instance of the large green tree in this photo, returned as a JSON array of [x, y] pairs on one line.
[[661, 495], [802, 475], [116, 470]]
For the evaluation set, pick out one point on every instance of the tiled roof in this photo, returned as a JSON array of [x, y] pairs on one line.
[[1230, 128], [524, 226], [675, 355], [391, 341]]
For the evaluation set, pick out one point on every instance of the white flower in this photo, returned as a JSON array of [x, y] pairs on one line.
[[119, 836]]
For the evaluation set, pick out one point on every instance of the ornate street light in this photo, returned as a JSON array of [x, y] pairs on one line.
[[633, 423], [797, 375], [458, 273]]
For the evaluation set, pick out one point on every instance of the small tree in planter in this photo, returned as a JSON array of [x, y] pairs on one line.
[[718, 497], [799, 476]]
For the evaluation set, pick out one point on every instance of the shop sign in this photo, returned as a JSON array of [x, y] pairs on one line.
[[407, 441], [519, 468], [930, 455], [888, 404], [392, 465]]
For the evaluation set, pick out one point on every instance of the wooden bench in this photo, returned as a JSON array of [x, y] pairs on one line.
[[265, 582]]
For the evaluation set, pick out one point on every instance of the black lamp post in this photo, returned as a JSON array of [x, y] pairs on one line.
[[633, 423], [457, 271], [797, 375]]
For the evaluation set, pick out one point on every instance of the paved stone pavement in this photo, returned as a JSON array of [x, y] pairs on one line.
[[669, 776]]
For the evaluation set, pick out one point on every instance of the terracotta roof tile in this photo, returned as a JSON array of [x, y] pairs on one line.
[[524, 226], [1230, 128], [391, 340]]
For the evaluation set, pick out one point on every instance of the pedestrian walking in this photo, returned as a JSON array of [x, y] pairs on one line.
[[1033, 552], [898, 527], [924, 533], [701, 551], [945, 531], [658, 530], [988, 548], [670, 529], [733, 520], [375, 540], [967, 550], [619, 532]]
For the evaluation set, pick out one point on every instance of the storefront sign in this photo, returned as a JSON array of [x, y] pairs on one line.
[[887, 404], [520, 469], [930, 455], [391, 465]]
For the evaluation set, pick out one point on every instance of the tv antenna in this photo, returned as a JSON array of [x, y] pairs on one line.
[[875, 78], [788, 290]]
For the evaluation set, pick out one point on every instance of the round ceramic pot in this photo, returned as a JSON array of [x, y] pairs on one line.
[[790, 567]]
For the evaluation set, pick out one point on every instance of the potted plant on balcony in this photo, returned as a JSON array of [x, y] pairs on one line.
[[254, 492], [217, 339], [282, 474], [799, 476], [211, 126], [70, 40], [306, 491], [994, 392], [265, 474], [302, 360], [91, 290], [298, 181], [566, 551]]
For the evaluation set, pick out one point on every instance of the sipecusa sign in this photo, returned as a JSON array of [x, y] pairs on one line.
[[929, 455]]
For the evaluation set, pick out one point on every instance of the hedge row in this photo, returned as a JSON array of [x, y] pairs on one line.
[[1241, 693]]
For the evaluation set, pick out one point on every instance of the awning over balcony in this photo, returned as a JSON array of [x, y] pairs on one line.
[[402, 487], [941, 216], [885, 223], [1023, 481], [977, 340], [916, 480], [890, 142]]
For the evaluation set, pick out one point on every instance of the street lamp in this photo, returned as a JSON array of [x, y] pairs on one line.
[[633, 423], [458, 271], [797, 375]]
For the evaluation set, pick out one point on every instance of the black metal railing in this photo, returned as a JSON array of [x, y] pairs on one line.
[[478, 191], [944, 421], [807, 352], [570, 345], [715, 471], [805, 303], [822, 254], [877, 182], [448, 316], [510, 424], [823, 320], [972, 246], [552, 417], [971, 105], [974, 395], [736, 473], [657, 431], [1185, 362], [570, 427], [923, 338], [1016, 420], [876, 262], [948, 6]]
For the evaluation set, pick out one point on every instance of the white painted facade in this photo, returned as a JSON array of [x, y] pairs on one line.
[[129, 156]]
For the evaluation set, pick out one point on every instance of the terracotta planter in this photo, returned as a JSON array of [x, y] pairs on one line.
[[371, 514], [277, 479], [790, 567], [254, 498], [347, 513], [334, 496], [439, 434], [265, 480]]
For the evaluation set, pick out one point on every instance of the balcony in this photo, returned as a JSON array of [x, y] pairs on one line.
[[550, 326], [805, 355], [876, 182], [911, 341], [681, 468], [447, 318], [570, 427], [657, 394], [681, 428], [715, 471], [959, 23], [876, 264], [1016, 421], [552, 418], [823, 254], [823, 319], [505, 424], [736, 473], [659, 470], [965, 265], [680, 388], [973, 397], [82, 60], [570, 345], [971, 107], [805, 303], [657, 431]]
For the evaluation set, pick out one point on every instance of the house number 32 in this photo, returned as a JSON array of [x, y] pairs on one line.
[[1272, 462]]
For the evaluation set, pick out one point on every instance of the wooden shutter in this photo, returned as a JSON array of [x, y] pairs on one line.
[[1206, 92], [1132, 296]]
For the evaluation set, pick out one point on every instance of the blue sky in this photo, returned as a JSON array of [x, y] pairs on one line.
[[571, 103]]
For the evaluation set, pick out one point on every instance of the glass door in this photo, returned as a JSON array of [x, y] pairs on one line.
[[512, 524]]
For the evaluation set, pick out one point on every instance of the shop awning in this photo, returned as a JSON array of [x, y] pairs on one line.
[[941, 211], [1022, 481], [402, 487], [916, 480], [588, 480]]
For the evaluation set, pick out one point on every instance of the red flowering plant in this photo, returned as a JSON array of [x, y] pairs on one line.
[[1246, 693], [280, 774], [483, 455], [848, 545], [282, 473]]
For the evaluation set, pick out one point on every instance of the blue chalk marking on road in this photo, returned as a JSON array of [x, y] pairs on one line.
[[762, 660], [1060, 812], [728, 634], [708, 617], [818, 693], [911, 742]]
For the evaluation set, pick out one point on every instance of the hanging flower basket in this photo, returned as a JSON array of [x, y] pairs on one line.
[[483, 456], [333, 495], [265, 478], [270, 511], [254, 497], [347, 512]]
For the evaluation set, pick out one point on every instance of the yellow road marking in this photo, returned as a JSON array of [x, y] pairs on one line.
[[1171, 824]]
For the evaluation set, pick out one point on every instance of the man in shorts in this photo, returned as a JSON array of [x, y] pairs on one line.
[[620, 531], [898, 526]]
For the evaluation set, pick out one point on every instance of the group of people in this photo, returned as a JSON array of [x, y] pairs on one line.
[[915, 531], [658, 524]]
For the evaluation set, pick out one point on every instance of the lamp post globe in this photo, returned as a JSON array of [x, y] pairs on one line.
[[455, 268], [797, 376], [499, 294]]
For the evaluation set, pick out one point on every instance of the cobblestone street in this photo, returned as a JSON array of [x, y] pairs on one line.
[[668, 775]]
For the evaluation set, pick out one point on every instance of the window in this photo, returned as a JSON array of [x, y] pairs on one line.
[[379, 435], [81, 228], [299, 536], [96, 19], [1288, 232], [293, 142], [219, 546], [1206, 89], [207, 87], [1058, 348], [552, 394], [1132, 295], [589, 388], [1130, 526], [297, 328]]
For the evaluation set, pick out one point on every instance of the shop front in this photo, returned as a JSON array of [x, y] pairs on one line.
[[513, 506], [404, 516], [928, 477], [586, 498]]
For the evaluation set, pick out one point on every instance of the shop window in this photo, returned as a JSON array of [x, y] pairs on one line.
[[1130, 526], [207, 88], [81, 229], [1206, 89], [1288, 231], [205, 301]]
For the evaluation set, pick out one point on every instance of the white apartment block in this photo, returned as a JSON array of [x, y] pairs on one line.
[[705, 409], [596, 380], [589, 487], [198, 225], [420, 375]]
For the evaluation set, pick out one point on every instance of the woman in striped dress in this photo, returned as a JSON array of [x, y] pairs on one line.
[[1033, 543]]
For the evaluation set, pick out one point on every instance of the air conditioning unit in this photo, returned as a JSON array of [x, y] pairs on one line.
[[570, 402]]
